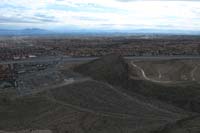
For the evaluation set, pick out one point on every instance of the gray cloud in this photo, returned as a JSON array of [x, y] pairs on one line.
[[44, 18], [33, 19], [14, 20]]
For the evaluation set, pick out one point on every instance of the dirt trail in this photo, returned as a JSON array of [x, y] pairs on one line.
[[144, 75], [193, 72], [110, 114], [147, 105], [66, 82]]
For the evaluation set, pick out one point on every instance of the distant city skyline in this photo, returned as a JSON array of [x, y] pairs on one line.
[[123, 15]]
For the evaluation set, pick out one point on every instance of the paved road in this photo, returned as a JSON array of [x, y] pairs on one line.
[[82, 59]]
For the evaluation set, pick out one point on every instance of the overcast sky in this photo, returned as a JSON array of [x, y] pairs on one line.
[[100, 14]]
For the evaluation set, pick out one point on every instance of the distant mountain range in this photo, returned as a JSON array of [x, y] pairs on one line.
[[36, 31]]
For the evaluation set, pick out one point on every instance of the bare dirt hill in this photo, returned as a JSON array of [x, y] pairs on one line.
[[111, 68], [110, 102], [87, 107], [114, 70]]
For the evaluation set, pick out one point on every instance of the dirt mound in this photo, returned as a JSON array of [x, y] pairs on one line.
[[111, 68], [101, 97], [114, 70], [86, 107]]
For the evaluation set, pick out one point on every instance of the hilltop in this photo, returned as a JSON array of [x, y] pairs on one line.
[[107, 95], [88, 106], [113, 69]]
